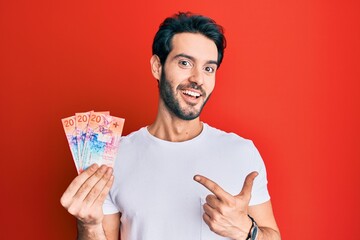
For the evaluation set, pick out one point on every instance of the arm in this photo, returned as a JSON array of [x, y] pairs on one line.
[[111, 224], [264, 217], [84, 199], [109, 229]]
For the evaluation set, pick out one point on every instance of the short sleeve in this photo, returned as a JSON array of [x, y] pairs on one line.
[[109, 207], [259, 193]]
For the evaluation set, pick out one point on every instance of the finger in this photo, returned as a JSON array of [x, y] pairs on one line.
[[76, 184], [213, 187], [248, 184], [213, 225], [207, 219], [90, 183], [101, 198], [213, 201], [98, 188], [209, 210]]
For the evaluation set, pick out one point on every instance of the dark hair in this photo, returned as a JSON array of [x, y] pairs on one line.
[[187, 22]]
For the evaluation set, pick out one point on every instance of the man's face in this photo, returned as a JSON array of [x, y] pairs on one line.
[[188, 75]]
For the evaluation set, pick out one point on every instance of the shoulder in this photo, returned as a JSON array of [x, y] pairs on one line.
[[132, 141], [230, 143], [133, 136], [227, 137]]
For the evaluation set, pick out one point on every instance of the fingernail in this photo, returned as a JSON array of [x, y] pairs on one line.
[[94, 166], [109, 171], [197, 178], [103, 169]]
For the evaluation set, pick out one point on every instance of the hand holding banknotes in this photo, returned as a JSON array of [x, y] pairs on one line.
[[94, 139], [86, 194]]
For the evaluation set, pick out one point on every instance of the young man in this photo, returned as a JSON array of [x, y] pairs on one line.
[[156, 192]]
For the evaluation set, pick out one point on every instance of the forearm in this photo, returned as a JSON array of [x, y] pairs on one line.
[[266, 233], [91, 233]]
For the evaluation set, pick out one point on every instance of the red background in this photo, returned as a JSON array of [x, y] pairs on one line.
[[290, 81]]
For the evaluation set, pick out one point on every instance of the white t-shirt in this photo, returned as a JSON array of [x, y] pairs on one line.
[[154, 188]]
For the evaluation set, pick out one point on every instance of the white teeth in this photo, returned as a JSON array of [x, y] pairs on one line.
[[193, 94]]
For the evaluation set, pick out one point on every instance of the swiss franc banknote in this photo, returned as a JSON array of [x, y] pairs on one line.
[[70, 132], [99, 135], [82, 122], [102, 140]]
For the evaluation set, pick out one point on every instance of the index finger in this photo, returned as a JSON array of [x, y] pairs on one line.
[[213, 187]]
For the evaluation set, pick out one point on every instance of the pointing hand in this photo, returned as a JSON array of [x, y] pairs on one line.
[[224, 213]]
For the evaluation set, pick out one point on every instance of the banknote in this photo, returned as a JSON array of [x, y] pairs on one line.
[[102, 140], [81, 124], [69, 125]]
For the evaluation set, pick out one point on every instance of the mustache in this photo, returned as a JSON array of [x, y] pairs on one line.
[[194, 86]]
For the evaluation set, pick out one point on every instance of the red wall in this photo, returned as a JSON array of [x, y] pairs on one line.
[[290, 81]]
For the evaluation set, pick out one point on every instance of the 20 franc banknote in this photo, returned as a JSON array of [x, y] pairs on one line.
[[70, 132], [81, 123], [102, 140]]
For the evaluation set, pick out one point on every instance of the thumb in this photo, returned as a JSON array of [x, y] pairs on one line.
[[248, 184]]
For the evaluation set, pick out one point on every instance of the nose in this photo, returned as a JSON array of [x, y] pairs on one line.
[[197, 76]]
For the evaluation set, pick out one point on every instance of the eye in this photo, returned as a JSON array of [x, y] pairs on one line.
[[184, 63], [209, 69]]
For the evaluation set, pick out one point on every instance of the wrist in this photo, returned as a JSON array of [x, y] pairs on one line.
[[243, 233], [254, 230], [89, 228]]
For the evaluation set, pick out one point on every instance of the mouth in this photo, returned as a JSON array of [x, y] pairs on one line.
[[192, 94]]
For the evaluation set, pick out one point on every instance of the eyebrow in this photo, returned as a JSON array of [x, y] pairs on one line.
[[193, 59]]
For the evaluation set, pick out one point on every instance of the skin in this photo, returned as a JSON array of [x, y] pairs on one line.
[[189, 68]]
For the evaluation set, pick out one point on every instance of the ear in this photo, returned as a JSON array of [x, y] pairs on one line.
[[155, 66]]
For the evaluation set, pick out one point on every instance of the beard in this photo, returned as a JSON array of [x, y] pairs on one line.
[[189, 112]]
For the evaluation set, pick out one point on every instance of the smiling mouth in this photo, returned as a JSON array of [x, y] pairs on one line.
[[191, 93]]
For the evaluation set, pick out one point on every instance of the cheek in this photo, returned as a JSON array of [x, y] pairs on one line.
[[210, 85], [178, 78], [173, 72]]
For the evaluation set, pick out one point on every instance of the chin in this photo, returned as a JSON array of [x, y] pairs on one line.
[[188, 116]]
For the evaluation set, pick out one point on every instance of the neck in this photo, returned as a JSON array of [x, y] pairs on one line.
[[169, 127]]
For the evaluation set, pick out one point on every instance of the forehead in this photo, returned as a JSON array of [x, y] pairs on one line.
[[195, 45]]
